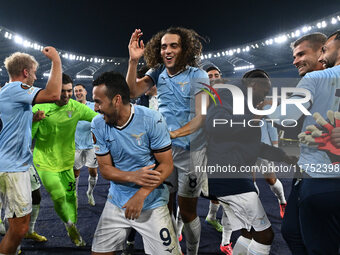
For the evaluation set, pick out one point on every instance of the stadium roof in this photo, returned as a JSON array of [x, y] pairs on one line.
[[272, 54]]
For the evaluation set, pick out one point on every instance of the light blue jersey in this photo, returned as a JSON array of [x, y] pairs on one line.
[[83, 132], [16, 116], [324, 87], [176, 101], [268, 133], [131, 148]]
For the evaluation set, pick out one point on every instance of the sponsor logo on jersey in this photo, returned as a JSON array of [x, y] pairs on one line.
[[138, 138], [25, 86], [31, 90]]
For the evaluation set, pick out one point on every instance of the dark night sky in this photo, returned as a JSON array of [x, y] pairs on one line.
[[103, 28]]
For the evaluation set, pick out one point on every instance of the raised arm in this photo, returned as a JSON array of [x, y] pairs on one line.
[[53, 87], [136, 51]]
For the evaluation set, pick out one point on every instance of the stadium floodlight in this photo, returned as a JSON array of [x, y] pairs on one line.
[[247, 48], [18, 39], [238, 68], [334, 21], [218, 54], [323, 24], [280, 39], [297, 33], [319, 25], [0, 69], [238, 50], [209, 55], [8, 35], [26, 43], [305, 29], [79, 76], [46, 74], [231, 52]]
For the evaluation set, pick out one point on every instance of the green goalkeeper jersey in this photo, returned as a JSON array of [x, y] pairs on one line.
[[54, 136]]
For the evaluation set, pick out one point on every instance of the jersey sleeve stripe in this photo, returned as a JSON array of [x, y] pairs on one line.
[[162, 149]]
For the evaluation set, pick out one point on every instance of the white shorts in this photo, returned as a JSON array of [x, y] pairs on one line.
[[86, 158], [245, 211], [15, 193], [184, 179], [153, 225], [35, 182]]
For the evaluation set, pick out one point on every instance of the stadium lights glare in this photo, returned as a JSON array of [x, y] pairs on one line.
[[46, 74], [281, 38], [79, 76], [18, 39], [238, 68]]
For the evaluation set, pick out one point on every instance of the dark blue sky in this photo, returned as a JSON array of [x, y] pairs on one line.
[[103, 28]]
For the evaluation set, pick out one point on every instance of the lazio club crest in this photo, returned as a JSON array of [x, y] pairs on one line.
[[69, 114], [138, 138], [182, 85]]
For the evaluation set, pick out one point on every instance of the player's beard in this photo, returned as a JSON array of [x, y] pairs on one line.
[[330, 61]]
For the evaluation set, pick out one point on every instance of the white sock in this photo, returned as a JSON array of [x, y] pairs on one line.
[[92, 183], [257, 189], [213, 208], [69, 223], [179, 223], [256, 248], [227, 230], [34, 216], [241, 246], [277, 189], [77, 182], [18, 249], [192, 232], [174, 223]]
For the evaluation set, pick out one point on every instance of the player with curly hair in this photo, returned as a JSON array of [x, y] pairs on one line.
[[173, 56]]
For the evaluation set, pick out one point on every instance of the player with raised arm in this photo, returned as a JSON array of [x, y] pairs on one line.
[[173, 55], [16, 100]]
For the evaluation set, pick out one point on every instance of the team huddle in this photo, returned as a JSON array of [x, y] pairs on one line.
[[148, 154]]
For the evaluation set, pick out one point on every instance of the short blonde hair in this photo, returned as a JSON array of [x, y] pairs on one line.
[[19, 61]]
